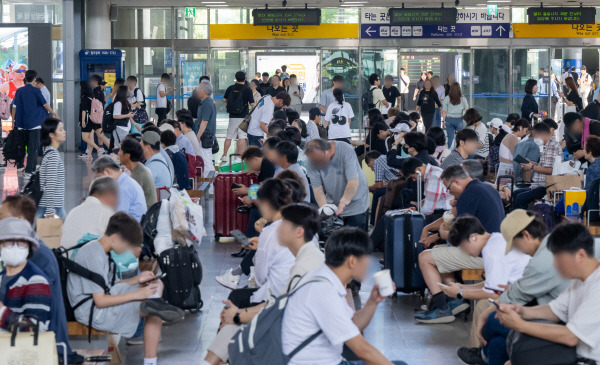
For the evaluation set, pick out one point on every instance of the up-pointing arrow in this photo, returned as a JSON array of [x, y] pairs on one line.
[[500, 29], [369, 31]]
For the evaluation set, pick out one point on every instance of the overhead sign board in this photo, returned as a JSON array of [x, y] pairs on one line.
[[286, 16], [524, 30], [190, 12], [578, 15], [249, 31], [423, 16], [492, 9], [377, 31], [463, 16]]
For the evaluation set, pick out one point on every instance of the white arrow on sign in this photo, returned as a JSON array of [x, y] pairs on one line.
[[500, 29], [369, 31]]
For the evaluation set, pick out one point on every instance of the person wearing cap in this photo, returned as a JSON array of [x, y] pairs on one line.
[[495, 126], [155, 161], [570, 328], [18, 80], [24, 288], [524, 231]]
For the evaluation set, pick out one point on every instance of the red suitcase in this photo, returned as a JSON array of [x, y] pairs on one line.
[[226, 217]]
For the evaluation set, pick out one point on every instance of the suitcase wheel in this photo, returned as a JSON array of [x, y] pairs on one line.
[[217, 237], [199, 306]]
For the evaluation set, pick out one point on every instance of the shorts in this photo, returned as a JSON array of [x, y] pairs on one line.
[[451, 259], [220, 345], [233, 129], [90, 127]]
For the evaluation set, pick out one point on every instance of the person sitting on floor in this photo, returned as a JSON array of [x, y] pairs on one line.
[[573, 336], [437, 198]]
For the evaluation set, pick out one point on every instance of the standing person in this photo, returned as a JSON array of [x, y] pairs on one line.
[[275, 87], [257, 76], [327, 95], [237, 97], [87, 126], [29, 111], [262, 116], [52, 170], [39, 83], [420, 84], [109, 98], [404, 83], [284, 74], [131, 156], [137, 100], [563, 77], [572, 98], [585, 85], [296, 93], [123, 116], [453, 108], [98, 85], [378, 99], [529, 108], [255, 88], [264, 85], [427, 103], [449, 81], [390, 92], [336, 177], [473, 120], [338, 118], [554, 95], [207, 121], [162, 91], [441, 92]]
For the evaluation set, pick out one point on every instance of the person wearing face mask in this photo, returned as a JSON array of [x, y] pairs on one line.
[[550, 149], [24, 288], [508, 144]]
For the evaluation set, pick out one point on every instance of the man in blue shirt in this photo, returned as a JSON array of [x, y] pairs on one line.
[[131, 195], [29, 112], [207, 121], [155, 161]]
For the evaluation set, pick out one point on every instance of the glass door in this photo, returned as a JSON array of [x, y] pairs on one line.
[[343, 62], [224, 63], [531, 64], [490, 86], [190, 66]]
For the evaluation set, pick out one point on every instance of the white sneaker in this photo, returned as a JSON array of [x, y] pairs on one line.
[[252, 279], [229, 280], [223, 160]]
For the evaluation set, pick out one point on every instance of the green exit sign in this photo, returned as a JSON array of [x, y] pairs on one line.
[[190, 12], [492, 9]]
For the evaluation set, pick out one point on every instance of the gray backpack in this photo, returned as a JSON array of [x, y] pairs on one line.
[[259, 342]]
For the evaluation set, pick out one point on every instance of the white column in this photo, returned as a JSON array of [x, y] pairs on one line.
[[97, 24]]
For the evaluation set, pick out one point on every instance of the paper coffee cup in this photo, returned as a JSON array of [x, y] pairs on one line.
[[383, 278]]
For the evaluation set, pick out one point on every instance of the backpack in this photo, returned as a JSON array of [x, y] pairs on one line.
[[180, 165], [5, 102], [148, 223], [96, 111], [367, 100], [143, 104], [259, 342], [33, 188], [235, 102], [14, 146], [108, 122]]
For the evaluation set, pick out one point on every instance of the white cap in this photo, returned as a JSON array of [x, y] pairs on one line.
[[166, 127], [496, 123], [400, 127]]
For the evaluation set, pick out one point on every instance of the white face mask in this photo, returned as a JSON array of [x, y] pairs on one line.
[[14, 255], [538, 141], [396, 136]]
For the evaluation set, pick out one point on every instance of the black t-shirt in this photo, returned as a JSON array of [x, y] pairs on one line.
[[574, 98], [236, 91], [85, 104], [391, 94], [267, 170], [427, 101], [99, 94], [263, 87], [273, 91]]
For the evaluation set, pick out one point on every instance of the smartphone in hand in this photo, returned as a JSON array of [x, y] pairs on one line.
[[494, 303], [235, 186], [154, 278], [239, 236]]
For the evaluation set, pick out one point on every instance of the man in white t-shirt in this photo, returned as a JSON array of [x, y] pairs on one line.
[[379, 101], [573, 248], [585, 85], [263, 114], [403, 83], [322, 306], [162, 91]]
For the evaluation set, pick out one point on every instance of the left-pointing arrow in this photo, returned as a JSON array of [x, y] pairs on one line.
[[369, 31]]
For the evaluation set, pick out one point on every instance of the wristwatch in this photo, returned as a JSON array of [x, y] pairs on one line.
[[458, 295], [236, 319]]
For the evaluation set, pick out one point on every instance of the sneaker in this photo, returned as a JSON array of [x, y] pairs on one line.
[[435, 316], [252, 279], [19, 169], [229, 280], [83, 155], [223, 160], [458, 306], [27, 176], [135, 341], [72, 358], [157, 307], [471, 356], [102, 151]]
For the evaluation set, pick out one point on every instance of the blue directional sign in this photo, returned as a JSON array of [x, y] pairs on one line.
[[489, 30]]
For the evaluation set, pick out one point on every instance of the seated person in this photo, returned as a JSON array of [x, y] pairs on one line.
[[526, 232], [415, 144], [437, 198], [375, 140], [131, 156], [551, 124], [467, 144], [292, 134], [573, 315], [383, 173], [155, 161], [24, 288], [442, 151], [508, 144], [578, 128], [93, 214], [551, 149], [322, 306], [300, 223], [180, 162], [439, 264], [276, 126], [286, 156], [120, 310]]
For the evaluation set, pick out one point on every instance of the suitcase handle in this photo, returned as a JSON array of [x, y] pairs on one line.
[[419, 192], [231, 160]]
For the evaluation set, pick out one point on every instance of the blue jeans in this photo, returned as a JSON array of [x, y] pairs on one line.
[[59, 211], [345, 362], [495, 334], [453, 125], [254, 140], [522, 197], [437, 118]]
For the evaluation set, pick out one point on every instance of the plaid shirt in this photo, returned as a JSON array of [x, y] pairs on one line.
[[383, 172], [436, 194], [549, 153]]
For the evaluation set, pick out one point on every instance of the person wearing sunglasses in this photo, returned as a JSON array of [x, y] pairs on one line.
[[24, 288], [17, 80]]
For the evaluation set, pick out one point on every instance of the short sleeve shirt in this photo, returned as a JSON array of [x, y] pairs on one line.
[[29, 104], [339, 120], [262, 113], [161, 102], [383, 172], [208, 112], [501, 268], [391, 94], [243, 91]]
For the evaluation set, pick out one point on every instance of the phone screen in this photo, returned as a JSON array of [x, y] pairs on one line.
[[154, 278], [239, 236]]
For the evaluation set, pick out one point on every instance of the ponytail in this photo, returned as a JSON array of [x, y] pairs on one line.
[[338, 94]]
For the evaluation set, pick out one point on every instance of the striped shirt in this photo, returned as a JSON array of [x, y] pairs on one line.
[[52, 180]]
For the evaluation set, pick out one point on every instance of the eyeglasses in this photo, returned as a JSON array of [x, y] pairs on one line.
[[21, 71], [9, 243], [449, 185]]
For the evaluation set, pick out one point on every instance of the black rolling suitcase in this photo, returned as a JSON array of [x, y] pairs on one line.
[[184, 274]]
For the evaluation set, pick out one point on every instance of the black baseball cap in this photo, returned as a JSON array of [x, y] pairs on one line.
[[313, 112]]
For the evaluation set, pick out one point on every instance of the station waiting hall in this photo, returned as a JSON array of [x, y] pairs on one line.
[[318, 182]]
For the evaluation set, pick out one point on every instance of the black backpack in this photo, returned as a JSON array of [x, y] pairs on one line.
[[148, 223], [367, 100], [33, 188], [193, 103], [143, 104], [14, 146], [235, 102], [108, 121]]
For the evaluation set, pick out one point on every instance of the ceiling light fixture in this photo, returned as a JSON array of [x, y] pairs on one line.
[[213, 2]]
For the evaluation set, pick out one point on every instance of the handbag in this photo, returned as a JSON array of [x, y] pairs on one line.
[[246, 122], [25, 348], [50, 231], [207, 140]]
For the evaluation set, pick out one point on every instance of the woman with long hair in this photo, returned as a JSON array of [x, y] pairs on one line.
[[338, 117], [572, 98], [453, 108], [52, 170], [449, 81], [87, 126], [428, 99], [123, 115], [473, 119], [529, 108], [420, 84]]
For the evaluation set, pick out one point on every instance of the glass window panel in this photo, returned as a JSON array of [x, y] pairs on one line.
[[156, 61], [156, 23], [339, 15], [343, 62], [531, 64], [126, 26], [191, 66], [491, 90], [224, 65], [27, 12], [230, 16], [192, 27]]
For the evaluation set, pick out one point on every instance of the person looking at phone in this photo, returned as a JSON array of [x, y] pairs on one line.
[[524, 231], [573, 334], [119, 311]]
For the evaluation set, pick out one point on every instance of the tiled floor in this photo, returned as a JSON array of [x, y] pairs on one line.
[[393, 329]]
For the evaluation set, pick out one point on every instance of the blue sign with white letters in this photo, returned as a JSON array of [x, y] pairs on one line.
[[489, 30]]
